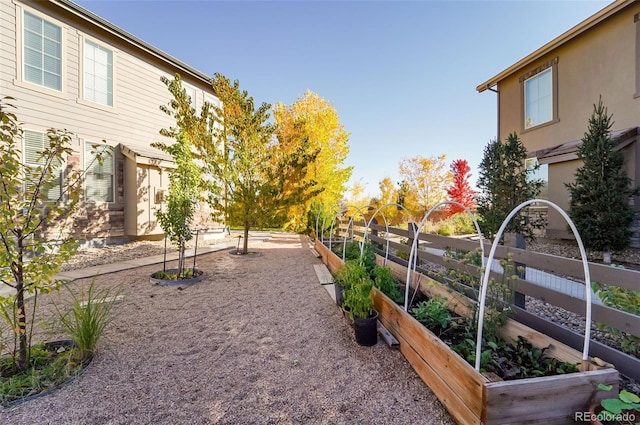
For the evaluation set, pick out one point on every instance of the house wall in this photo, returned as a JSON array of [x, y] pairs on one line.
[[581, 80], [603, 61], [134, 120]]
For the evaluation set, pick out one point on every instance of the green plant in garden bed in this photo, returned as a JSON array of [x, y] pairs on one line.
[[187, 273], [54, 363], [49, 368], [508, 360], [433, 313], [89, 315], [625, 300], [383, 280], [624, 409], [352, 252]]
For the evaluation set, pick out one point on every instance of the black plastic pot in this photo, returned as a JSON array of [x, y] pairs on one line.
[[338, 289], [366, 330]]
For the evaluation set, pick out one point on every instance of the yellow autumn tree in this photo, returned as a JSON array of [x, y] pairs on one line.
[[312, 123], [427, 180], [389, 195], [356, 197]]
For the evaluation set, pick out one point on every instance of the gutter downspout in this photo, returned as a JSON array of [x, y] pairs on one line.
[[497, 110]]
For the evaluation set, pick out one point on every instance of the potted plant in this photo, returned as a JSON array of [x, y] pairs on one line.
[[624, 409], [352, 271], [358, 300]]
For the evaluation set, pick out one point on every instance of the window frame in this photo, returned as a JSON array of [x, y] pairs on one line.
[[636, 20], [189, 88], [24, 155], [88, 162], [21, 46], [84, 40], [552, 67], [529, 164]]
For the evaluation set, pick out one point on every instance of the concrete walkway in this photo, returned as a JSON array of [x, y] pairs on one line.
[[139, 262], [136, 262]]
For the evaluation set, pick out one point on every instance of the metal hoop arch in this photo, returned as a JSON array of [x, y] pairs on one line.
[[414, 246], [350, 226], [366, 230], [585, 265]]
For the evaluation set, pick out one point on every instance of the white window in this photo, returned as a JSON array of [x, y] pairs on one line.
[[99, 178], [212, 100], [538, 99], [97, 74], [42, 52], [191, 92], [537, 171], [35, 143]]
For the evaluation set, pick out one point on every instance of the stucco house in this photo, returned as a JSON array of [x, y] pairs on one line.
[[548, 96], [68, 68]]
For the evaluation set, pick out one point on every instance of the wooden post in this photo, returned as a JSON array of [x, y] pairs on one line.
[[516, 240]]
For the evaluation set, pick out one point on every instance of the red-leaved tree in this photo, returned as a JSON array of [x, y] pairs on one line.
[[460, 190]]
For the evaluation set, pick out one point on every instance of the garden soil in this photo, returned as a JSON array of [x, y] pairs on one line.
[[259, 341]]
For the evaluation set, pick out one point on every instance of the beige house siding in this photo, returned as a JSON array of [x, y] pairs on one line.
[[133, 121], [592, 64], [599, 57]]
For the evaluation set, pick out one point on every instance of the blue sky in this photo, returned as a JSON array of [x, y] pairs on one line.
[[401, 74]]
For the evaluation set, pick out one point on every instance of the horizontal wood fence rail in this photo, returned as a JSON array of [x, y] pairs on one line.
[[623, 362], [623, 278], [560, 266]]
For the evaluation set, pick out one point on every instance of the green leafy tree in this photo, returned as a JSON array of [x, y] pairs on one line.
[[35, 238], [504, 183], [259, 179], [600, 195], [185, 186], [184, 193]]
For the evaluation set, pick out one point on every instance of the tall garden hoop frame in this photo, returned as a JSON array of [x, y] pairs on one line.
[[351, 225], [585, 265], [414, 246], [324, 220], [386, 225]]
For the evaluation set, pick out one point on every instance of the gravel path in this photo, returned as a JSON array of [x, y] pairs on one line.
[[259, 341]]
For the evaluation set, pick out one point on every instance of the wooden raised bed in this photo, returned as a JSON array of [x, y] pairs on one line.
[[470, 397]]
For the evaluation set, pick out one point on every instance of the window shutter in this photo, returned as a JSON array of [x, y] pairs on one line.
[[34, 144]]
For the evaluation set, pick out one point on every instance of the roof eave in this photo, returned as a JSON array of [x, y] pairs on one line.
[[130, 38], [583, 26]]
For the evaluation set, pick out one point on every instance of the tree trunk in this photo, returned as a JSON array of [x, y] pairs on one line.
[[23, 361], [181, 258], [245, 243], [21, 314]]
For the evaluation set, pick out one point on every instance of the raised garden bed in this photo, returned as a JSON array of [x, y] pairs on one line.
[[469, 396]]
